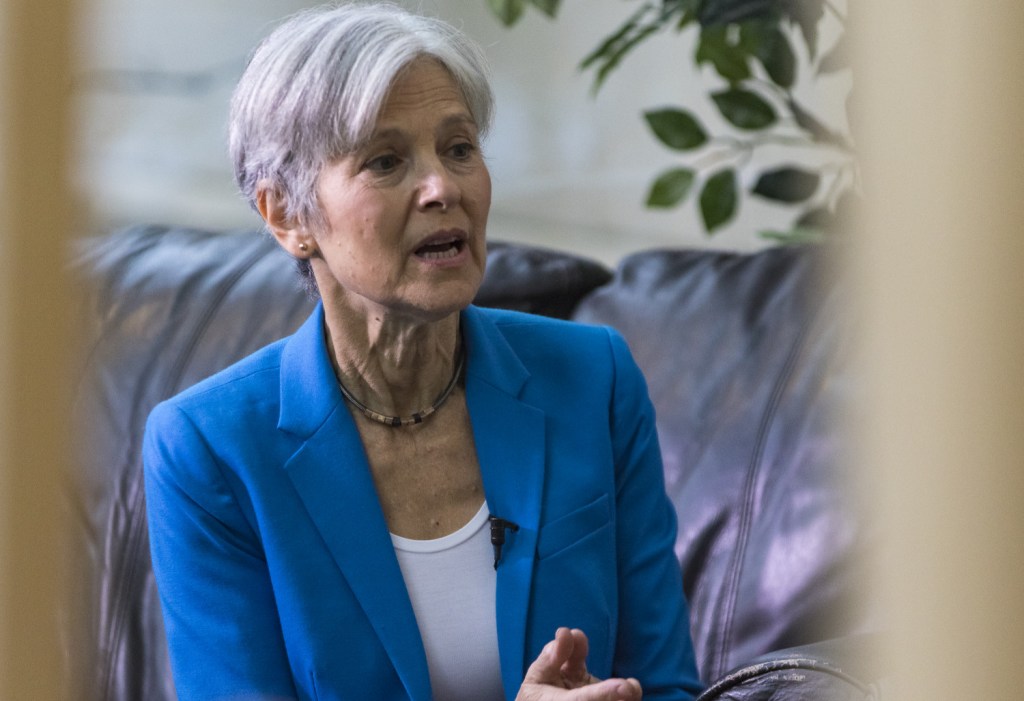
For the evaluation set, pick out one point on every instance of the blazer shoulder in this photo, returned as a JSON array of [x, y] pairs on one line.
[[559, 347], [248, 377], [512, 323]]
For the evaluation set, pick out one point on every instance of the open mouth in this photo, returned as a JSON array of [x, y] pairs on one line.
[[440, 250]]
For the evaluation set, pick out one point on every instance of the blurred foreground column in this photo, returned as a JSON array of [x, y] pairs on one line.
[[940, 256], [35, 346]]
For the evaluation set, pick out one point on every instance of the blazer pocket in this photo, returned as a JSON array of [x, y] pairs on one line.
[[573, 527]]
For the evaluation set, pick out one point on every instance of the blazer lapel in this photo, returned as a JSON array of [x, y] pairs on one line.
[[510, 445], [332, 476]]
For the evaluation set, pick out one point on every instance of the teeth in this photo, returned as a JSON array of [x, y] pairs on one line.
[[440, 249], [438, 255]]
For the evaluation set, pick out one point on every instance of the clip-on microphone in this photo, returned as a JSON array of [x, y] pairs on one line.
[[498, 527]]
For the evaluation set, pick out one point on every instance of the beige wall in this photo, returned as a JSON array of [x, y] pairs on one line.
[[35, 348], [940, 258]]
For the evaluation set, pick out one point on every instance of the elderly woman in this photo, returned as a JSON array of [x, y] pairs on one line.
[[411, 497]]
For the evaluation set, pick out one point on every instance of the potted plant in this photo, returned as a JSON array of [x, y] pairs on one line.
[[750, 44]]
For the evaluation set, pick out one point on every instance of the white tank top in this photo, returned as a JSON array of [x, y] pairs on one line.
[[451, 583]]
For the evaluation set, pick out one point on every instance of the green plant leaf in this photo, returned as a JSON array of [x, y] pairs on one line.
[[613, 49], [671, 187], [620, 52], [688, 11], [613, 40], [507, 11], [729, 59], [787, 184], [797, 236], [720, 12], [831, 221], [816, 218], [548, 7], [744, 109], [682, 7], [676, 128], [815, 127], [806, 14], [771, 47], [718, 199]]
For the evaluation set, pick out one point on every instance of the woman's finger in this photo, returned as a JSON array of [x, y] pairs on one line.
[[547, 668], [575, 668]]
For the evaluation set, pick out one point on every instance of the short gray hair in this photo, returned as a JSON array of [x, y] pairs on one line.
[[314, 87]]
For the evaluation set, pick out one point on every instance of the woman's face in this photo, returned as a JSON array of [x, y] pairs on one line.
[[406, 215]]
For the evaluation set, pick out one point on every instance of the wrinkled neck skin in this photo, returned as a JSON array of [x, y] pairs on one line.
[[396, 362]]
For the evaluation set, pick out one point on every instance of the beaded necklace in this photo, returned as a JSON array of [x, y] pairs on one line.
[[417, 417]]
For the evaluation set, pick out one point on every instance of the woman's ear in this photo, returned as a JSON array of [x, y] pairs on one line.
[[293, 237]]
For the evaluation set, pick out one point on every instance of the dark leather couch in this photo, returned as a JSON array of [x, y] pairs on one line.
[[744, 356]]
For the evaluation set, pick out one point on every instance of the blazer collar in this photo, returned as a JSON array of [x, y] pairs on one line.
[[510, 444], [309, 387]]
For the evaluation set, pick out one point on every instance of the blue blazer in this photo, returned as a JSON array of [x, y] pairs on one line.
[[275, 568]]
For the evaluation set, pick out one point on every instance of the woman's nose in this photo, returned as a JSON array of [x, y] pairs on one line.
[[438, 187]]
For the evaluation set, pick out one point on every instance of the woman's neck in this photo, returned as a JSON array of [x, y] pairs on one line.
[[392, 363]]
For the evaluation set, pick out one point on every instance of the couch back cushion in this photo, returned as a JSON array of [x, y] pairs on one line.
[[165, 308], [743, 358]]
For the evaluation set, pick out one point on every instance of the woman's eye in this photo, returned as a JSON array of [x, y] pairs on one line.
[[382, 164], [462, 151]]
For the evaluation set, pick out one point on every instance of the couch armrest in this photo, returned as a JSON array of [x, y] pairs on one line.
[[842, 669]]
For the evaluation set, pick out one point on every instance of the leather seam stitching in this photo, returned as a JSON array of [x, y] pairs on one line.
[[749, 488]]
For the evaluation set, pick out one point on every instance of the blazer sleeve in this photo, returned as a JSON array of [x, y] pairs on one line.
[[223, 632], [653, 641]]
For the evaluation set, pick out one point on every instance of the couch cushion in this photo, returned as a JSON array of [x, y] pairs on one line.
[[742, 354]]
